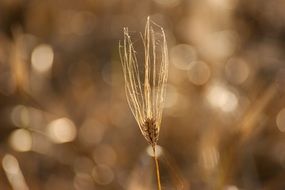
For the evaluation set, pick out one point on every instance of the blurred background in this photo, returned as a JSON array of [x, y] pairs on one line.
[[65, 123]]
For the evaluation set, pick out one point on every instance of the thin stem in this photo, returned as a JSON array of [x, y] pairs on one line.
[[156, 168]]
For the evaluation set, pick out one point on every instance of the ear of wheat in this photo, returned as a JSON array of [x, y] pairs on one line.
[[145, 81]]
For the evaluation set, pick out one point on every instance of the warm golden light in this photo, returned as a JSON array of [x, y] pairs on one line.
[[80, 81], [61, 130], [222, 98], [21, 140], [199, 73], [20, 116], [103, 174], [219, 45], [42, 58], [13, 172], [158, 150], [182, 56]]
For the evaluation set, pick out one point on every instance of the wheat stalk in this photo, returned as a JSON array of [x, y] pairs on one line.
[[145, 81]]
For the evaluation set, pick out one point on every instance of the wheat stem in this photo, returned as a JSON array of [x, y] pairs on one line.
[[145, 81], [156, 168]]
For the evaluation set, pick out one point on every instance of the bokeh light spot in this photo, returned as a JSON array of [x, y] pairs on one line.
[[103, 174], [13, 172], [199, 73], [42, 58], [158, 151], [61, 130], [182, 56], [220, 45], [21, 140], [10, 164], [20, 116], [220, 97]]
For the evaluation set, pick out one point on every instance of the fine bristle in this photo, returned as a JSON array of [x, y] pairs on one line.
[[145, 78]]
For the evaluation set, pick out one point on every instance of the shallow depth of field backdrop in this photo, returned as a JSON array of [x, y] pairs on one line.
[[65, 122]]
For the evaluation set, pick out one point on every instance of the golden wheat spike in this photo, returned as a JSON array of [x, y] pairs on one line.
[[145, 78]]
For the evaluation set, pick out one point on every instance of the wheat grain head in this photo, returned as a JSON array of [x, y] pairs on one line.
[[145, 78]]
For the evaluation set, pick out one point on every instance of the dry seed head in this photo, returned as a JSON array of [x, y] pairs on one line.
[[145, 78], [150, 131]]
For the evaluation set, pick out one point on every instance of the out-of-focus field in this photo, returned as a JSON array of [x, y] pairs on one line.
[[65, 122]]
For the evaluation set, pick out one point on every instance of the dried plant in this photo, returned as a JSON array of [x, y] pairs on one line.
[[145, 80]]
